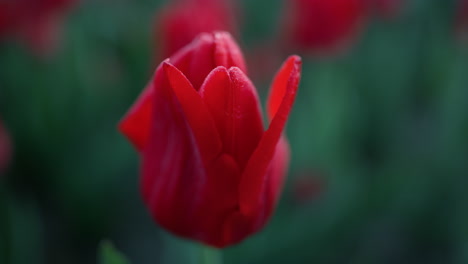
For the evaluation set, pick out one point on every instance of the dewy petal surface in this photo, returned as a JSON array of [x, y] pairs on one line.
[[279, 87], [173, 175], [136, 123], [195, 61], [209, 51], [234, 105], [173, 169], [196, 113], [202, 61], [227, 52], [253, 182]]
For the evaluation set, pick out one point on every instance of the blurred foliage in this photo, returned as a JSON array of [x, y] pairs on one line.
[[385, 126], [109, 255]]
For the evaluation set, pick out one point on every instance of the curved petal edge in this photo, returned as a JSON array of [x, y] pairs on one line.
[[254, 177]]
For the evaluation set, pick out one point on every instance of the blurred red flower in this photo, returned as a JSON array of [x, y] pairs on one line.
[[5, 148], [387, 8], [36, 22], [209, 170], [323, 26], [462, 21], [308, 186], [179, 23]]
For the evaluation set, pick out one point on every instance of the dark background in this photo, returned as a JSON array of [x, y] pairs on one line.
[[379, 138]]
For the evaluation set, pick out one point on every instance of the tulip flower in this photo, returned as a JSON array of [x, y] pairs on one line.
[[210, 172], [179, 23], [323, 26], [35, 22]]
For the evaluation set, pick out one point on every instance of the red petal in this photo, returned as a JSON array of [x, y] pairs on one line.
[[196, 112], [233, 103], [278, 169], [180, 193], [210, 51], [195, 60], [254, 178], [280, 84], [202, 60], [227, 52], [172, 170], [135, 124]]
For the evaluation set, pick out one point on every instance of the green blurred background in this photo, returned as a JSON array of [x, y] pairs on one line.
[[379, 139]]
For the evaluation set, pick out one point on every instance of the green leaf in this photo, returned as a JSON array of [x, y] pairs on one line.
[[108, 254]]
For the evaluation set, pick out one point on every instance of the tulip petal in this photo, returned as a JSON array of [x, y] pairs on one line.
[[173, 175], [175, 184], [192, 61], [136, 123], [278, 169], [254, 178], [233, 103], [196, 112], [279, 86], [227, 52], [201, 61]]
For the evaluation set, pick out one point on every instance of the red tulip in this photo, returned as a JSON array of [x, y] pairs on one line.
[[5, 148], [36, 22], [323, 26], [209, 170], [178, 24]]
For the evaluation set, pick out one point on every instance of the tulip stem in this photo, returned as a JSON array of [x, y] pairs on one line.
[[210, 255]]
